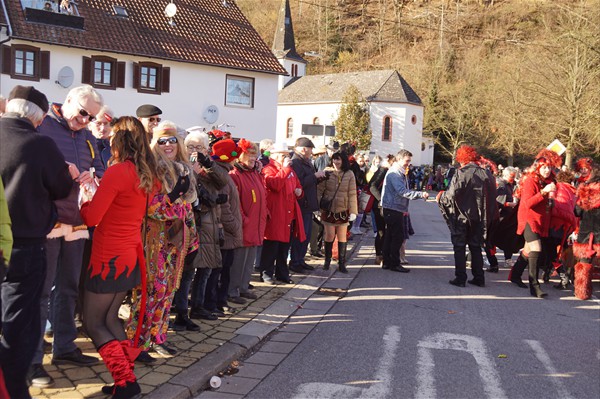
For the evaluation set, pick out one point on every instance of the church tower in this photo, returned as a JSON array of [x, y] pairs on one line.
[[284, 46]]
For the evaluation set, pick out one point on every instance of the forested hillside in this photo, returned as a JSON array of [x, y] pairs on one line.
[[509, 76]]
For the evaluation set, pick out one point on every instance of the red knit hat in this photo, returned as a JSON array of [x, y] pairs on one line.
[[225, 151]]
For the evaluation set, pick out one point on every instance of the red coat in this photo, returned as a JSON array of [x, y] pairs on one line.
[[533, 207], [253, 203], [281, 203], [563, 212]]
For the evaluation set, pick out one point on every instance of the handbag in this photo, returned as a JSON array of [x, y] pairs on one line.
[[326, 204]]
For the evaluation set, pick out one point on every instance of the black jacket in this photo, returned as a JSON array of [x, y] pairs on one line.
[[306, 174], [469, 206], [35, 174]]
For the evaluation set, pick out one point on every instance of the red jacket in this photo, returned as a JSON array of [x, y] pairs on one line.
[[563, 212], [281, 203], [253, 203], [533, 206]]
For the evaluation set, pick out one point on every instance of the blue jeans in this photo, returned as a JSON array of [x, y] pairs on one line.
[[199, 287], [21, 291], [299, 248], [64, 268], [180, 300]]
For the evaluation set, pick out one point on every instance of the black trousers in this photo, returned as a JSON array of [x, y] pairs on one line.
[[223, 280], [273, 260], [21, 292], [460, 262], [394, 237], [380, 223]]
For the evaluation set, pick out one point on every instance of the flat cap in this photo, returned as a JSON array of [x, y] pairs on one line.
[[147, 110], [304, 142], [30, 94]]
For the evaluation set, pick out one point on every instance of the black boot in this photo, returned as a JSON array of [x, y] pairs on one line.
[[342, 246], [534, 284], [130, 391], [328, 254], [183, 322], [517, 271]]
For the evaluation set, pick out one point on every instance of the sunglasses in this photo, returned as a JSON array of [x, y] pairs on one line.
[[84, 113], [165, 140], [153, 119]]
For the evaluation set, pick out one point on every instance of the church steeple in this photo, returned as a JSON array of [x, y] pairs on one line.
[[284, 45]]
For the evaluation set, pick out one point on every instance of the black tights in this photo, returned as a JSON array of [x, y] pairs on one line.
[[101, 317]]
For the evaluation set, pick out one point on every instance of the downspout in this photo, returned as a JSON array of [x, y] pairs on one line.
[[8, 27]]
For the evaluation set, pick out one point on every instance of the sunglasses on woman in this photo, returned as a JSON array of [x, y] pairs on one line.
[[165, 140]]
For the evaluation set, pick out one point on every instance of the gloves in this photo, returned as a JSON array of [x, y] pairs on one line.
[[183, 184], [221, 237], [222, 198], [204, 160], [352, 217]]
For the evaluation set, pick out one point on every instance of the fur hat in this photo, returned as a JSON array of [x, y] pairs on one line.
[[225, 151]]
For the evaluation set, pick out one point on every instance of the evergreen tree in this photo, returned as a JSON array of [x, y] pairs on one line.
[[353, 122]]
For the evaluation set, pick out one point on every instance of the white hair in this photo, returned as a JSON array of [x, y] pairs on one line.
[[265, 144], [105, 111], [508, 170], [26, 109], [80, 92], [202, 137]]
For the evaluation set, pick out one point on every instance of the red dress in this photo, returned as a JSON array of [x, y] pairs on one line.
[[117, 209]]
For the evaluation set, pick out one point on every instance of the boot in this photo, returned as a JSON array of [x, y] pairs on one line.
[[583, 280], [356, 225], [534, 284], [342, 247], [121, 368], [564, 282], [516, 271], [328, 254], [183, 322]]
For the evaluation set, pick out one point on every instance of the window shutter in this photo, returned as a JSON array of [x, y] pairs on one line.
[[136, 75], [6, 60], [121, 74], [86, 73], [165, 81], [45, 64]]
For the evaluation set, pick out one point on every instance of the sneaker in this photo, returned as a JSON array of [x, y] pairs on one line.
[[265, 278], [75, 357], [39, 378], [237, 299], [248, 295]]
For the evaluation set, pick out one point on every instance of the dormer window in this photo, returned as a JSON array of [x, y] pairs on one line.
[[67, 7], [120, 11]]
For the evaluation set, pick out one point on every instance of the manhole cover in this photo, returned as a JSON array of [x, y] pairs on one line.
[[332, 291]]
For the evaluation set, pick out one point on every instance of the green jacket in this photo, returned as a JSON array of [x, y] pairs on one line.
[[6, 239]]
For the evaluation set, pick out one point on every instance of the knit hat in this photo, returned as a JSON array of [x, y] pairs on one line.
[[225, 151], [29, 93]]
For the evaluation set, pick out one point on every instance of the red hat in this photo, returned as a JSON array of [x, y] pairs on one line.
[[225, 151]]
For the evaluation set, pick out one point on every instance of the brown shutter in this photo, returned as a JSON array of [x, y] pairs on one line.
[[136, 75], [165, 81], [121, 74], [45, 64], [86, 73], [6, 60]]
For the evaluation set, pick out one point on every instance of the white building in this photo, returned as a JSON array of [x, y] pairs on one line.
[[204, 66], [396, 111]]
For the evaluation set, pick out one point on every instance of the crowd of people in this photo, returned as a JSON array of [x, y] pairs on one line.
[[99, 211]]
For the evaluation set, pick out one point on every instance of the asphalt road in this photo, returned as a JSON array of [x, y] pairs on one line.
[[414, 335]]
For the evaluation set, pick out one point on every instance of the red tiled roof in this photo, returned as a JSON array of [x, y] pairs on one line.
[[206, 32]]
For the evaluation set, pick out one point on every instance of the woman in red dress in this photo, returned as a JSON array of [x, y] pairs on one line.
[[118, 209]]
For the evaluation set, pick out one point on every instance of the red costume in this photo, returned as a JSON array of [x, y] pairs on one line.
[[533, 206]]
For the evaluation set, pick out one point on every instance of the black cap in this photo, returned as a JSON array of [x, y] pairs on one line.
[[30, 94], [304, 142], [335, 146], [147, 110]]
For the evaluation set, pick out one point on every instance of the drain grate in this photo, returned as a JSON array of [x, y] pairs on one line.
[[339, 292]]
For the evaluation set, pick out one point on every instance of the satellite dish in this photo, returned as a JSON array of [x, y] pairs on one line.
[[65, 77], [170, 10], [211, 114]]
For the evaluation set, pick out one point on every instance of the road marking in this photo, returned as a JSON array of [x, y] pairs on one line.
[[382, 383], [472, 345], [543, 357]]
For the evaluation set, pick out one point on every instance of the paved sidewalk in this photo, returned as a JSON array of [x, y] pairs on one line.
[[211, 350]]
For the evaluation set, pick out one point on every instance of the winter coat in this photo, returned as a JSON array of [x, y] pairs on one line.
[[588, 209], [563, 216], [35, 174], [231, 216], [78, 147], [345, 199], [253, 203], [533, 206], [208, 217], [469, 206], [282, 206], [504, 195], [306, 174], [6, 238]]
